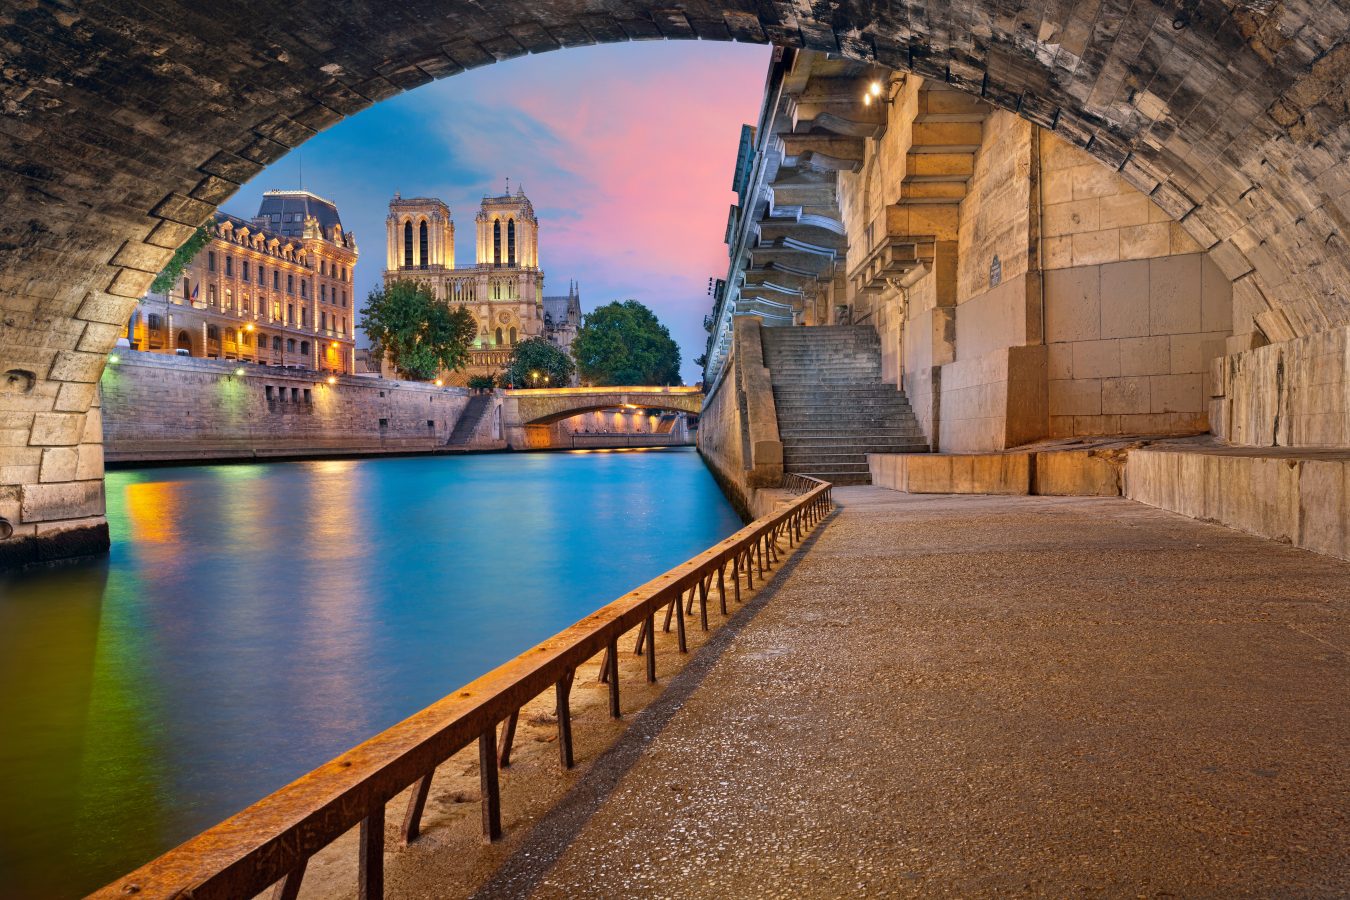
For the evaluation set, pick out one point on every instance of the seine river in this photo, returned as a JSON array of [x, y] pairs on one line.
[[253, 621]]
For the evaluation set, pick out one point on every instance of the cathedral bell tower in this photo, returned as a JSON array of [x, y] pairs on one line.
[[508, 232], [421, 235]]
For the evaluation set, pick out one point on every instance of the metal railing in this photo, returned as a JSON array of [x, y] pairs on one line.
[[271, 842]]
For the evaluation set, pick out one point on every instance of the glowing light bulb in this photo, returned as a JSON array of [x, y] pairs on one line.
[[332, 379], [876, 89]]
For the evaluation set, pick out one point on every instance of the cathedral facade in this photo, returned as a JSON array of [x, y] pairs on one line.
[[503, 288]]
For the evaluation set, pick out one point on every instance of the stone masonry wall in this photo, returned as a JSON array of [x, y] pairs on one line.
[[160, 407]]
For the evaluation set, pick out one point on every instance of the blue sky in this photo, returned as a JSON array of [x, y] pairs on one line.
[[626, 151]]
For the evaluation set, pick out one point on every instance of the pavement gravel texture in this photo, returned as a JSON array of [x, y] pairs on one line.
[[986, 696]]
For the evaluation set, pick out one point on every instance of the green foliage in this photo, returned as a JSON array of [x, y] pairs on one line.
[[482, 382], [182, 257], [421, 334], [538, 355], [624, 343]]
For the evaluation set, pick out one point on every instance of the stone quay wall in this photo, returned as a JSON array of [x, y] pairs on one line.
[[164, 408], [738, 428]]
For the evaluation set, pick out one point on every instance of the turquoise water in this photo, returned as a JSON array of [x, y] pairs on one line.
[[253, 621]]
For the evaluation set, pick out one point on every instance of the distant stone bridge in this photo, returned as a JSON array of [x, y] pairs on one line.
[[527, 415]]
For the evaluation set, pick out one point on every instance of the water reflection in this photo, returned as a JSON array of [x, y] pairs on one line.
[[253, 621]]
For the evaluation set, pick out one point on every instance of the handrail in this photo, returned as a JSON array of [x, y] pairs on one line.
[[271, 841]]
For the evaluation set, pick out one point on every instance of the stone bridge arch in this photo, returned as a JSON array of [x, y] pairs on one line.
[[125, 125], [527, 414]]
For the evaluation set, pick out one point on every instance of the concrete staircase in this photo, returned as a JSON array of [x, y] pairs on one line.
[[467, 423], [833, 408]]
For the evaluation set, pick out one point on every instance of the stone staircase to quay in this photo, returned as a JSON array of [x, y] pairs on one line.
[[833, 408], [467, 423]]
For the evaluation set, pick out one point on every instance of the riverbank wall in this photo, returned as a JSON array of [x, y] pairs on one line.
[[159, 408], [738, 429]]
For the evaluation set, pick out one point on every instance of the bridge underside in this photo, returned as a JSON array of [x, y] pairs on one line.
[[127, 124], [591, 418]]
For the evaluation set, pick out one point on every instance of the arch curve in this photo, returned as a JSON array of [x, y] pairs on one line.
[[1237, 124]]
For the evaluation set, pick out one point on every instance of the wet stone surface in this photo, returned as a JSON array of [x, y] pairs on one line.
[[967, 696]]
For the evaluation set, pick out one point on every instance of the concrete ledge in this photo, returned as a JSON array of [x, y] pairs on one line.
[[1299, 497], [952, 473], [1078, 473]]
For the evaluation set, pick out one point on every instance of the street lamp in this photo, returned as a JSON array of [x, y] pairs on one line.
[[534, 379]]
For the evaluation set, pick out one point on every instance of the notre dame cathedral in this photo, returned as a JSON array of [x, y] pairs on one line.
[[504, 288]]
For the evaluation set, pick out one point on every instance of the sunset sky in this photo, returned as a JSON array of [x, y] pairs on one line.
[[626, 151]]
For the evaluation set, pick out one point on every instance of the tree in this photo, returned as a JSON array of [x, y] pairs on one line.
[[421, 334], [624, 343], [536, 354], [165, 280]]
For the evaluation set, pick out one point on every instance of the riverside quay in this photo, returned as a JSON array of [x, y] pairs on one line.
[[991, 538]]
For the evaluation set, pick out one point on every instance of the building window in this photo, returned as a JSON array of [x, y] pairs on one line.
[[422, 238], [276, 280], [513, 337], [344, 298], [230, 335], [211, 295], [290, 345], [304, 347], [261, 272], [276, 342], [323, 321], [270, 398], [290, 313], [213, 332], [499, 337], [323, 293], [309, 398], [384, 424], [304, 288], [407, 244], [295, 395], [155, 323], [244, 339], [290, 283], [229, 265], [210, 260], [229, 299], [243, 269], [303, 316], [511, 242], [496, 242], [244, 304]]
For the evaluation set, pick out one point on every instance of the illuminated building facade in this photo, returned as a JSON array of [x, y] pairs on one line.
[[275, 290], [504, 288]]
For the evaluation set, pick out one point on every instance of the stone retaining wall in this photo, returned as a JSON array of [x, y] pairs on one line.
[[160, 408]]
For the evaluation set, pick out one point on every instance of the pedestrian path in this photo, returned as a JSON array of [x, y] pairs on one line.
[[969, 696]]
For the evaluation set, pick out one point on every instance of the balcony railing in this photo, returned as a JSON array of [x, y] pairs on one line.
[[272, 841]]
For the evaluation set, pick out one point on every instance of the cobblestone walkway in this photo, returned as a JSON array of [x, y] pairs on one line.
[[970, 696]]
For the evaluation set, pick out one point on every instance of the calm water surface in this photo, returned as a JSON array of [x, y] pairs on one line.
[[253, 621]]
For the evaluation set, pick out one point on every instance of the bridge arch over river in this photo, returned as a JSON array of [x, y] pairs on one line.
[[127, 124], [528, 415]]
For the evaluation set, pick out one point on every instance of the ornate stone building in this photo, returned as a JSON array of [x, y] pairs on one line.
[[504, 288], [275, 290]]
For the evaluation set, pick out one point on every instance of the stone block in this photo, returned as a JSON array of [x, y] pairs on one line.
[[1096, 181], [1125, 299], [1096, 359], [1122, 210], [1175, 393], [1076, 397], [56, 429], [59, 464], [1059, 360], [1074, 217], [1093, 248], [1144, 241], [1058, 252], [1073, 304], [90, 462], [62, 500], [1174, 295], [1126, 396], [952, 473], [1180, 241], [75, 396], [71, 365], [1078, 473], [1145, 355], [1216, 298]]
